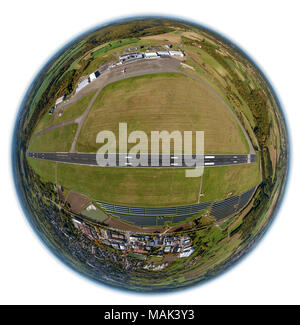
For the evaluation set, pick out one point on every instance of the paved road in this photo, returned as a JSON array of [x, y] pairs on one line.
[[149, 161]]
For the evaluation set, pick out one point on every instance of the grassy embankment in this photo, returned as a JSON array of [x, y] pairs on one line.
[[145, 187]]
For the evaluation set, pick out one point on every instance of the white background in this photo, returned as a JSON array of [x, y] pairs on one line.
[[32, 31]]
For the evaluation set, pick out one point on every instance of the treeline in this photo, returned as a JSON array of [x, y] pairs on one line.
[[136, 28], [68, 83], [58, 87], [256, 100]]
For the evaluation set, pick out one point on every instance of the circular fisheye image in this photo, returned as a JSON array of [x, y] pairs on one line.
[[150, 154]]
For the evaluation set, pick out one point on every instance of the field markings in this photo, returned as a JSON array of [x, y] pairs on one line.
[[200, 189]]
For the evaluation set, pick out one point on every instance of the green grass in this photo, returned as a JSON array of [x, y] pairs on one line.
[[105, 54], [206, 42], [44, 122], [139, 186], [75, 109], [177, 32], [94, 215], [207, 59], [44, 168], [243, 138], [212, 236], [57, 140], [98, 61], [149, 187], [113, 45], [180, 103], [224, 181]]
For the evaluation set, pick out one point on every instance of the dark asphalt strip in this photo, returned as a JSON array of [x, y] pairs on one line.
[[150, 161]]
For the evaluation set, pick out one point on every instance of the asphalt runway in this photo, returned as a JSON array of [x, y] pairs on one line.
[[145, 160]]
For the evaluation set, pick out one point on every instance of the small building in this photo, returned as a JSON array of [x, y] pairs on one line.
[[124, 56], [91, 207], [92, 76], [131, 56], [136, 238], [60, 100], [122, 247], [82, 84], [167, 249], [115, 245], [186, 242], [51, 110], [176, 249], [134, 48], [115, 235], [83, 227], [140, 249], [178, 53], [76, 223], [186, 252], [160, 53], [149, 55], [139, 56]]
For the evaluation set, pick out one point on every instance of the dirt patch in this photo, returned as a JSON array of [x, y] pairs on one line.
[[198, 37], [169, 258], [168, 37], [77, 201], [193, 35]]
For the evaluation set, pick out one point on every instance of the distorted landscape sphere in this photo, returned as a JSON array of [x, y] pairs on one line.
[[150, 154]]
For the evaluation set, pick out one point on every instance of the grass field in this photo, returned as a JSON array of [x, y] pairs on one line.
[[112, 45], [44, 122], [46, 169], [75, 109], [225, 181], [149, 187], [57, 140], [139, 186], [98, 61], [167, 101], [94, 215]]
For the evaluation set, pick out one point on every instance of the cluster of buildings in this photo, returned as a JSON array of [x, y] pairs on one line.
[[124, 58], [87, 80], [58, 101], [148, 55], [154, 267], [180, 246]]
